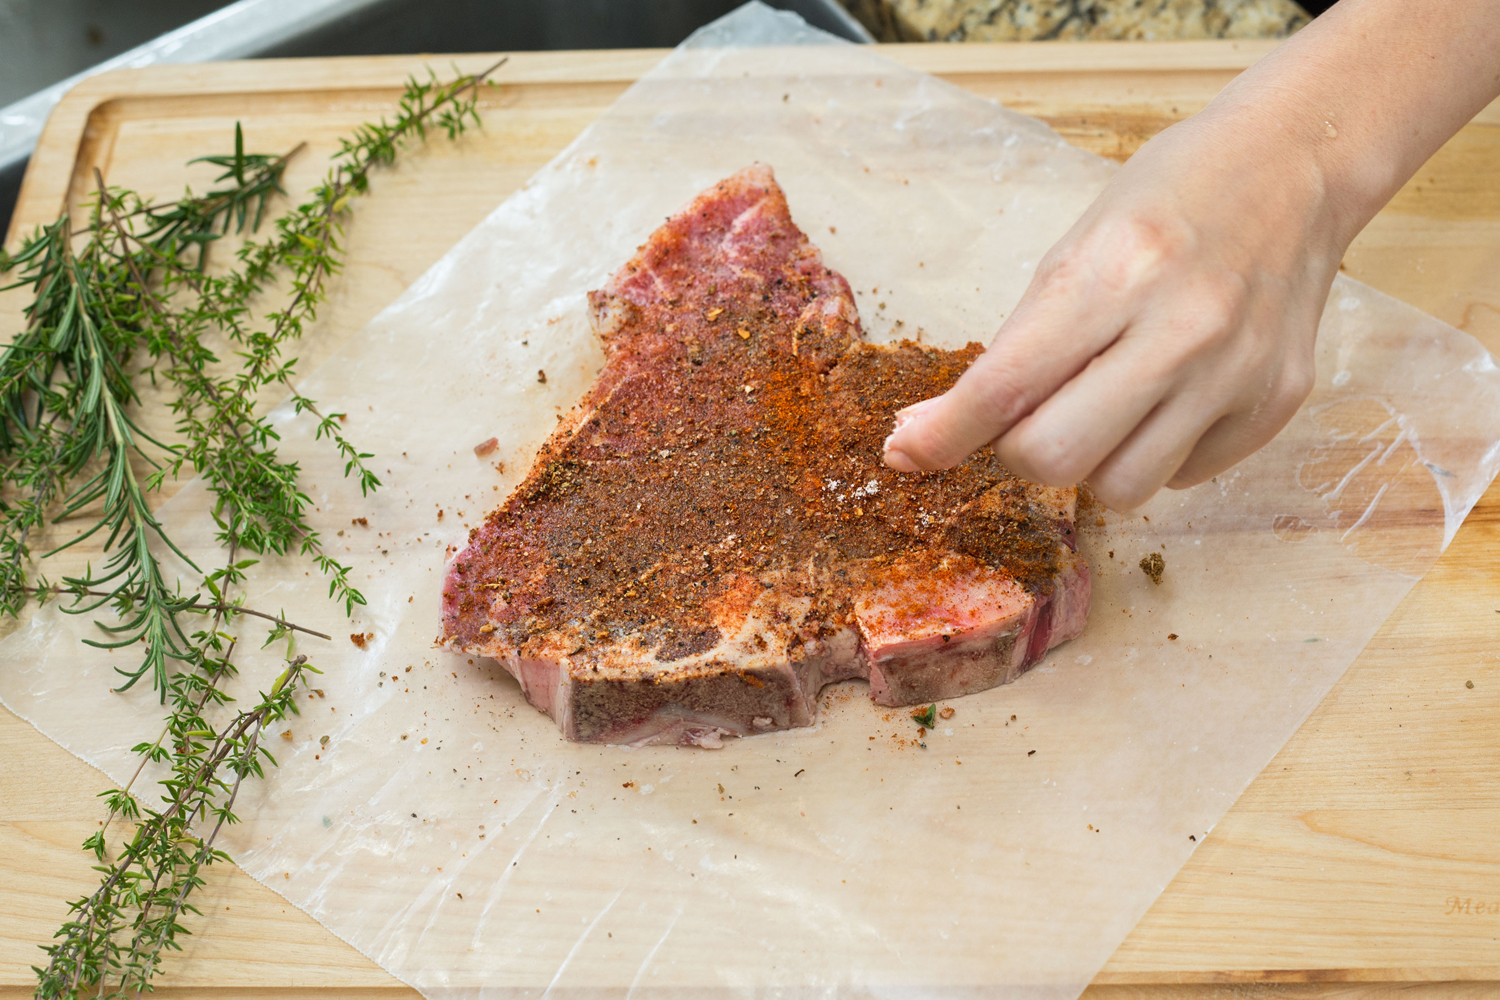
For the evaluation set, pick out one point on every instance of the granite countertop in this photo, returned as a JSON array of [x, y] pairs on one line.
[[1073, 20]]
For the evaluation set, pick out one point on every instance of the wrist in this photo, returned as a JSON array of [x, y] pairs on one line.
[[1357, 101], [1306, 172], [1278, 203]]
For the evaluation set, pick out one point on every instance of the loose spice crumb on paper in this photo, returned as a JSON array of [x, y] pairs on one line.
[[1154, 566]]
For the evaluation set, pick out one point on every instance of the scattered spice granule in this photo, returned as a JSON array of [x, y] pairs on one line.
[[946, 712], [1468, 684], [363, 522], [485, 447], [541, 376], [360, 638], [287, 735], [1171, 635], [628, 784], [1154, 566], [1031, 753]]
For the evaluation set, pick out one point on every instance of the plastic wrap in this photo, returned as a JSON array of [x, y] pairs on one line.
[[448, 832]]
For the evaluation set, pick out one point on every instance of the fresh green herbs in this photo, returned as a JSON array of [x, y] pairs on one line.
[[130, 295], [117, 935], [925, 717]]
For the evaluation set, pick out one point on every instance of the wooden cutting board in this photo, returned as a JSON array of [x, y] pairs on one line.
[[1364, 859]]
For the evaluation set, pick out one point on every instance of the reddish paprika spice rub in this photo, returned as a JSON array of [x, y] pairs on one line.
[[710, 536]]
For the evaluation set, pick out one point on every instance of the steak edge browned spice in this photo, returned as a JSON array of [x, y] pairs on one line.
[[710, 536]]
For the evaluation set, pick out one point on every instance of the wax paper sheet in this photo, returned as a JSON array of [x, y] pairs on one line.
[[447, 831]]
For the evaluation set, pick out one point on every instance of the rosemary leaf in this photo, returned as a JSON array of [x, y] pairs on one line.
[[129, 295]]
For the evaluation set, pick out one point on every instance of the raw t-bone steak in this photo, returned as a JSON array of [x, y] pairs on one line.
[[710, 537]]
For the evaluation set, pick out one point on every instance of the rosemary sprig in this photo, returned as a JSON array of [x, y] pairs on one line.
[[70, 365], [131, 294]]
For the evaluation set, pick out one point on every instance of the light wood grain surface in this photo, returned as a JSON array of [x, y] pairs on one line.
[[1363, 862]]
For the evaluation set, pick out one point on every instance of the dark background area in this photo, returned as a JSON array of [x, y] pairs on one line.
[[402, 26]]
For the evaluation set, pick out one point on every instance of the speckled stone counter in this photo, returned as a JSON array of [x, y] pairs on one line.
[[1043, 20]]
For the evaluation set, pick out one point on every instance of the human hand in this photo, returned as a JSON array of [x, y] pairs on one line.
[[1166, 336], [1170, 332]]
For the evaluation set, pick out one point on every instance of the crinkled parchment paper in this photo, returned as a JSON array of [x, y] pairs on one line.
[[448, 832]]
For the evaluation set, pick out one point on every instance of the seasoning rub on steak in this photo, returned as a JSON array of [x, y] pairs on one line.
[[710, 536]]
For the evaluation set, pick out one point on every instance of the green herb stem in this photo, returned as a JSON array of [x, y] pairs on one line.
[[131, 295]]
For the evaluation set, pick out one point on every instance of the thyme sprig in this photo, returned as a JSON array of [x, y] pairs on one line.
[[119, 932], [133, 294], [45, 591]]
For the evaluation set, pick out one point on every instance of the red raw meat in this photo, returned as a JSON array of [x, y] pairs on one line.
[[710, 537]]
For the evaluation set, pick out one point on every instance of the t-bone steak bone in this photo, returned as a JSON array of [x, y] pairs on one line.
[[710, 536]]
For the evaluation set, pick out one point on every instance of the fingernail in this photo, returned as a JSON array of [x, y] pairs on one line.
[[898, 459], [910, 413]]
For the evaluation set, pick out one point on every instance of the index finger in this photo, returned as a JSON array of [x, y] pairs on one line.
[[1052, 335]]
